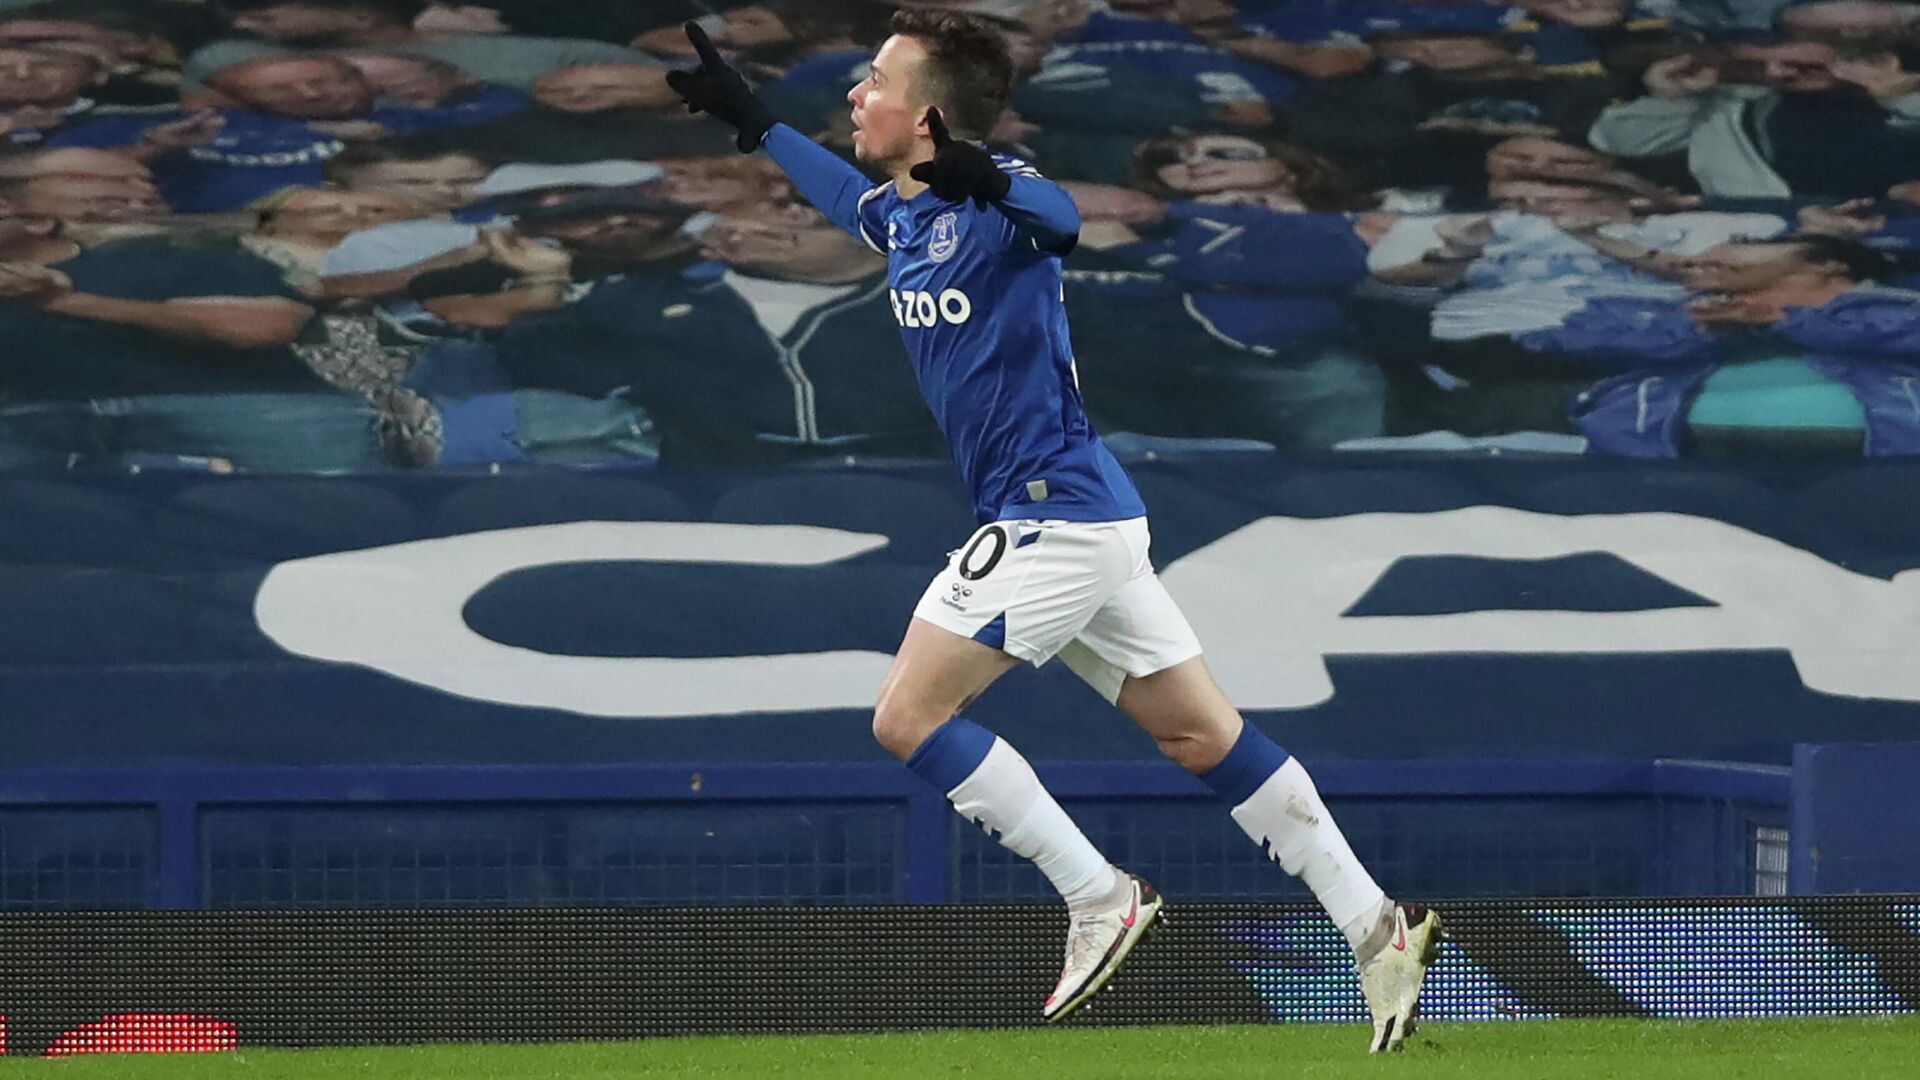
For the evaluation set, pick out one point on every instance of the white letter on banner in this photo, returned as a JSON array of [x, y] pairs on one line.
[[398, 609], [1268, 599]]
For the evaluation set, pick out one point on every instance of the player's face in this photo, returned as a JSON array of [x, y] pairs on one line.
[[887, 111]]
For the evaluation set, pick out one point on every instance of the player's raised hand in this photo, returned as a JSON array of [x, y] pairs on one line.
[[937, 129], [959, 169], [717, 87]]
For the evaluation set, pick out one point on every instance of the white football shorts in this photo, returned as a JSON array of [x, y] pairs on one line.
[[1082, 590]]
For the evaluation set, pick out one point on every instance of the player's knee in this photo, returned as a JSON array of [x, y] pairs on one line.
[[1190, 753], [1196, 747], [902, 728]]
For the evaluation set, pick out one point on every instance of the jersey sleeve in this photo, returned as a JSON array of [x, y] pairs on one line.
[[841, 192], [1040, 215]]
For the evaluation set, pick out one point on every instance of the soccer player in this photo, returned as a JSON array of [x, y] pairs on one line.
[[973, 242]]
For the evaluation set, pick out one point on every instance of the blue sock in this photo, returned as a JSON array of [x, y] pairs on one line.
[[1253, 759], [951, 754]]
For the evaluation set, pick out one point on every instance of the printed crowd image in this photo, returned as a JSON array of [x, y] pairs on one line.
[[374, 235]]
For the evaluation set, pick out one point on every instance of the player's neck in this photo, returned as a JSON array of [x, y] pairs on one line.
[[903, 182], [907, 185]]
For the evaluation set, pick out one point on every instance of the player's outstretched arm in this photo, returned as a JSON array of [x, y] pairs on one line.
[[716, 87], [1039, 208], [1044, 212], [827, 182]]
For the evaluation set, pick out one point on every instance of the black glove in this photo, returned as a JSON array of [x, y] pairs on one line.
[[960, 170], [715, 87]]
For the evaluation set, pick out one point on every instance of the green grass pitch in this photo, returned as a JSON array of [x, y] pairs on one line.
[[1538, 1050]]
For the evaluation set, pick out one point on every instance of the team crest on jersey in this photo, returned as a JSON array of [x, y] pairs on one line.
[[946, 237]]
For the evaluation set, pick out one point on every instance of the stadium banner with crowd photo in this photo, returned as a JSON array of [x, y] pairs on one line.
[[1389, 606]]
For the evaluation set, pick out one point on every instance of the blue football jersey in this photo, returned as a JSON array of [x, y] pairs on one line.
[[982, 314], [981, 309]]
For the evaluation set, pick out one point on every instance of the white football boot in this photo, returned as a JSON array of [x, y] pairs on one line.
[[1391, 978], [1098, 943]]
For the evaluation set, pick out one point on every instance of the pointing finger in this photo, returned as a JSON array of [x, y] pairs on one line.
[[937, 127], [703, 45]]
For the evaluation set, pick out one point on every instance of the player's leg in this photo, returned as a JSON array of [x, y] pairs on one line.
[[1140, 653], [1175, 700], [1273, 798], [934, 675], [1012, 594]]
